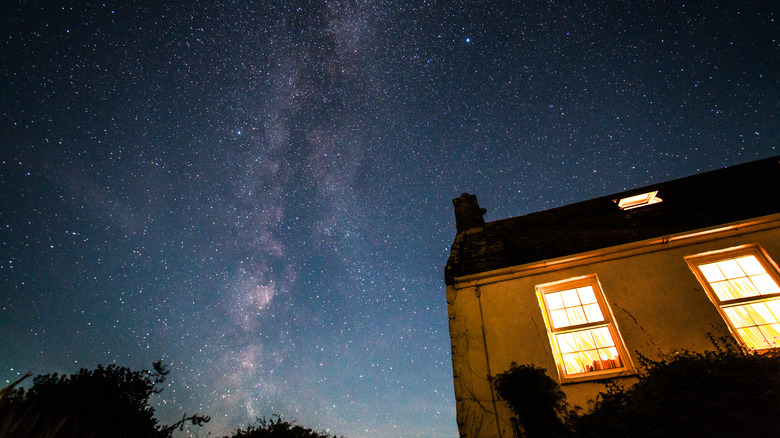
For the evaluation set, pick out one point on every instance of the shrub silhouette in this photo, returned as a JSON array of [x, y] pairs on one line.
[[277, 428], [722, 393], [535, 398], [106, 402]]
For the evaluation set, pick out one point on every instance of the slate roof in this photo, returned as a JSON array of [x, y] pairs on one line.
[[700, 201]]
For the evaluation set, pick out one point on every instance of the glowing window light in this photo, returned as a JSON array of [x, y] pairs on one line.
[[745, 288], [582, 334], [637, 201]]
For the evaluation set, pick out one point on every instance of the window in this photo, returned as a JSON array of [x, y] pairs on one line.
[[585, 340], [743, 284], [637, 201]]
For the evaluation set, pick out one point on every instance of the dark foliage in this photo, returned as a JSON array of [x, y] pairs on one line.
[[535, 398], [277, 428], [105, 402], [722, 393]]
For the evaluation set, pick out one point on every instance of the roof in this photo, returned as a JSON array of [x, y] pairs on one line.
[[700, 201]]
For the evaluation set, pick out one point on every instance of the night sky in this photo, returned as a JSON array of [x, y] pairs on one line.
[[259, 193]]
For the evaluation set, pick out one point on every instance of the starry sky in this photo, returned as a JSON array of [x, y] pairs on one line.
[[259, 192]]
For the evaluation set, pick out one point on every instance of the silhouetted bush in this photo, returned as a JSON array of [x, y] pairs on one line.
[[277, 428], [535, 398], [725, 393], [106, 402], [722, 393]]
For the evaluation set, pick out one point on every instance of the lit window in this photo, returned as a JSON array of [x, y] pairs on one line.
[[585, 340], [743, 284], [637, 201]]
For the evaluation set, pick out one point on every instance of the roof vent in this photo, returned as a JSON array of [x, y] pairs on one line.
[[637, 201]]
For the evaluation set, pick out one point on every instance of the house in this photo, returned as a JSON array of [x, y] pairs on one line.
[[582, 290]]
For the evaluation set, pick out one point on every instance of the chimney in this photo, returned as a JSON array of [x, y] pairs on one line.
[[468, 215]]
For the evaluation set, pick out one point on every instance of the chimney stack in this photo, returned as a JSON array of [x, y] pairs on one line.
[[468, 215]]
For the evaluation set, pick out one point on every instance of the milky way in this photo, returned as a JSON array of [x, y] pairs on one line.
[[259, 193]]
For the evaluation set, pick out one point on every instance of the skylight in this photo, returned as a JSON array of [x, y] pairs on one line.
[[637, 201]]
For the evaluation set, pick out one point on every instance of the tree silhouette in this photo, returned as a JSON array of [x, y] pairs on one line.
[[106, 402]]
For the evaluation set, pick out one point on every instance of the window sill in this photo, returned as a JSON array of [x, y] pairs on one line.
[[598, 375]]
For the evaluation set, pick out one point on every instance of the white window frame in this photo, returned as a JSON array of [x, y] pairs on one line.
[[608, 322], [695, 261]]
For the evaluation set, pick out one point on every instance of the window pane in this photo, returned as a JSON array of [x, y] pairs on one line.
[[573, 363], [586, 295], [592, 362], [570, 298], [559, 318], [588, 350], [554, 300], [712, 272], [738, 316], [576, 315], [608, 358], [593, 313], [774, 306], [765, 284], [753, 338], [731, 269], [603, 337], [605, 354], [751, 265], [772, 334], [760, 313], [584, 340], [566, 343], [725, 291], [744, 287]]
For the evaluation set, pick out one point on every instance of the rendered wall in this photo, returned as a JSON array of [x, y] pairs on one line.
[[657, 303]]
